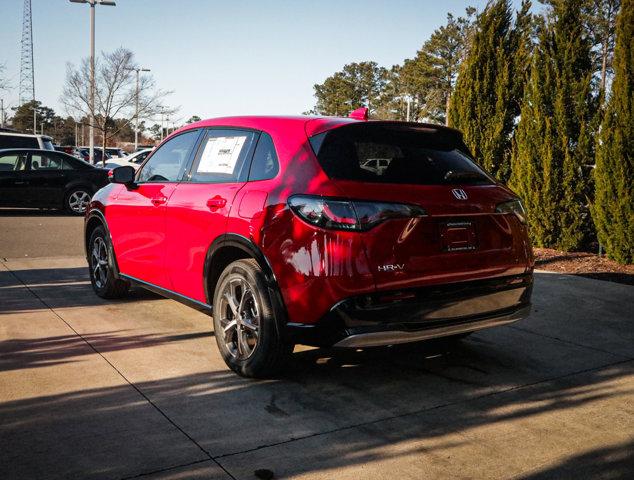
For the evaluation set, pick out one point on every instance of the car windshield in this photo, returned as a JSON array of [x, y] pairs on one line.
[[391, 153]]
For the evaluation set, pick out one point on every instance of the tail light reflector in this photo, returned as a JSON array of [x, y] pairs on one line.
[[353, 215]]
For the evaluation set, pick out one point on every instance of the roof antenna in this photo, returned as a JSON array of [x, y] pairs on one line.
[[360, 114]]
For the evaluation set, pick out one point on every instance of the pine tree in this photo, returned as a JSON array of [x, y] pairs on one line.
[[439, 61], [356, 85], [484, 104], [613, 209], [553, 143]]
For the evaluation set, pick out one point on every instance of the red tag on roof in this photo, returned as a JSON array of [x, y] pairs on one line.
[[359, 114]]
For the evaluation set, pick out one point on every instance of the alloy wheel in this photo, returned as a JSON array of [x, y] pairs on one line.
[[78, 201], [240, 318], [99, 262]]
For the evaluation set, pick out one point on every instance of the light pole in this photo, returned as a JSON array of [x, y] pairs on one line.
[[136, 110], [162, 110], [1, 112], [34, 119], [91, 89], [409, 101]]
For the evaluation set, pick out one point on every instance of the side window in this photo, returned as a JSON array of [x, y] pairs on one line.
[[169, 161], [265, 164], [13, 162], [67, 165], [45, 162], [222, 156]]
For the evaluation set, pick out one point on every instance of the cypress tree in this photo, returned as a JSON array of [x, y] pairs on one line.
[[532, 161], [613, 209], [553, 144], [483, 105]]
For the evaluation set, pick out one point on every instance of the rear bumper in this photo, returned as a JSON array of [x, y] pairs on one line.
[[388, 318]]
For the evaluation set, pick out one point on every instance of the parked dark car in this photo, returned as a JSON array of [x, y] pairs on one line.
[[33, 178], [85, 153], [70, 150]]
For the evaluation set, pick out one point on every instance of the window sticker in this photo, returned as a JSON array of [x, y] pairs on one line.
[[221, 155]]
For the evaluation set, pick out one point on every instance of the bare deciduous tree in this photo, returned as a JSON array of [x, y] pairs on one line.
[[115, 93]]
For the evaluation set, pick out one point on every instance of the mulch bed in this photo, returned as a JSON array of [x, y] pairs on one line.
[[583, 264]]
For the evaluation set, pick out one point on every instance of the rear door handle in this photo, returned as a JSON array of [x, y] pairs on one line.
[[21, 183], [156, 201], [216, 202]]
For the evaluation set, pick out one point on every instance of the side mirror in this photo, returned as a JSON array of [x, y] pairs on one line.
[[124, 175]]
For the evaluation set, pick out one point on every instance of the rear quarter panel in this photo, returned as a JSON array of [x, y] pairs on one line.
[[313, 268]]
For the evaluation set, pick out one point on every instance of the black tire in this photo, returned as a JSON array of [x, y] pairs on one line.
[[258, 356], [102, 277], [75, 200]]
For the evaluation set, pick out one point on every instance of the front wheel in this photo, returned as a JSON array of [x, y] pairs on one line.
[[245, 328], [100, 264]]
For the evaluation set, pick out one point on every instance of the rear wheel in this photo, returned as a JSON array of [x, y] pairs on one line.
[[77, 200], [245, 328], [101, 275]]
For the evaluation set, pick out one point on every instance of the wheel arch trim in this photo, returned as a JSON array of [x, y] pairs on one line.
[[252, 250]]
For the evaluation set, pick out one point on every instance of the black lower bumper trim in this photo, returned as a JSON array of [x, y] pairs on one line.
[[416, 314]]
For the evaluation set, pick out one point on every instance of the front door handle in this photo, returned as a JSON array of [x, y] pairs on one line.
[[156, 201], [216, 202], [21, 183]]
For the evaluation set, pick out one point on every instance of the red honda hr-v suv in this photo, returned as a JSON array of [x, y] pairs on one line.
[[321, 231]]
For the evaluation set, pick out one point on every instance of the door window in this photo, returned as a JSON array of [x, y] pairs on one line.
[[168, 163], [45, 162], [264, 165], [13, 162], [222, 156], [67, 165]]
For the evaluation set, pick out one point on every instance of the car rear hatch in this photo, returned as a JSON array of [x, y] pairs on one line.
[[459, 236]]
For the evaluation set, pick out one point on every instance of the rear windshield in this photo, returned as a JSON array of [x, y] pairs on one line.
[[405, 154]]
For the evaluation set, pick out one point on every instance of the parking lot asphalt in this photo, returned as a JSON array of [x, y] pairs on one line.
[[34, 233], [103, 389]]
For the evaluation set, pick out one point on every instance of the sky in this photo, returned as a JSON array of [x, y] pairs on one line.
[[233, 57]]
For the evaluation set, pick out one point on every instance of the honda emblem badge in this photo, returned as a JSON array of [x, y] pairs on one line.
[[459, 193]]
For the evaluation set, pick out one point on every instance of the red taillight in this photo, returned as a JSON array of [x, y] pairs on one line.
[[339, 215], [351, 215]]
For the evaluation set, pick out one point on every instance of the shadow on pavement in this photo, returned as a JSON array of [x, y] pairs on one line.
[[118, 437], [508, 394], [55, 288], [26, 353]]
